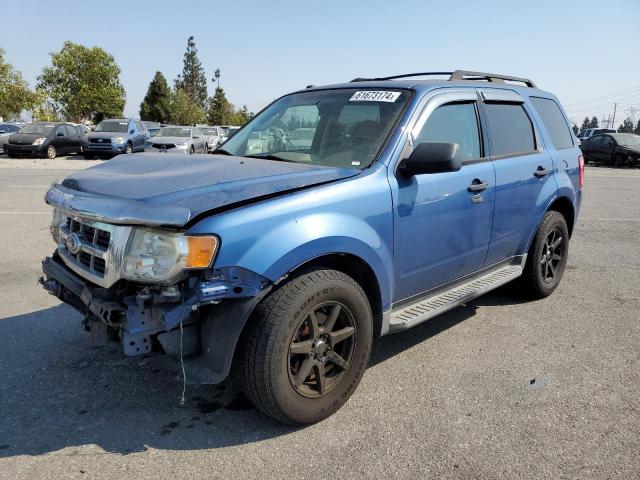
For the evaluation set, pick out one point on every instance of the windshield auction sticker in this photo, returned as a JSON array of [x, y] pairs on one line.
[[374, 96]]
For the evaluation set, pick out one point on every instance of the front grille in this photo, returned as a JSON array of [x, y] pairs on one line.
[[163, 146], [100, 140], [94, 245]]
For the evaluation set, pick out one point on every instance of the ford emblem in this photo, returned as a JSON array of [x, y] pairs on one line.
[[73, 243]]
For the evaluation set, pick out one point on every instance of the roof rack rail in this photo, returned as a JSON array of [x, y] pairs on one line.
[[489, 77], [406, 75], [457, 75]]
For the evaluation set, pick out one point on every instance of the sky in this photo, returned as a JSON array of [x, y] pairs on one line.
[[584, 51]]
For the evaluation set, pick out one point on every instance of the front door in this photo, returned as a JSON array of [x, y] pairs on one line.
[[442, 221]]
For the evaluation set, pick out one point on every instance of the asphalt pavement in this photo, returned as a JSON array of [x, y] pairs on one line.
[[498, 388]]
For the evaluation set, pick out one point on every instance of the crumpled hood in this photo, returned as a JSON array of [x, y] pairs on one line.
[[632, 148], [149, 184]]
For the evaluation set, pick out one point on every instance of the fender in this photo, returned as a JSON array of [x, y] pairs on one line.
[[564, 192]]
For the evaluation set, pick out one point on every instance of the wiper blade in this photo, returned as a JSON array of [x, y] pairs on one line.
[[222, 151], [269, 157]]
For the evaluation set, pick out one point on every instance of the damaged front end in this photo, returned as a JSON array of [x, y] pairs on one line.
[[152, 290]]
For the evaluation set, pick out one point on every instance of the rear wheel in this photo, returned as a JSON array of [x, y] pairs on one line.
[[620, 160], [51, 152], [307, 347], [547, 257]]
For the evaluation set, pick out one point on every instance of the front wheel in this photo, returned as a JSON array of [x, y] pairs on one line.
[[51, 152], [307, 347], [619, 160], [547, 257], [128, 150]]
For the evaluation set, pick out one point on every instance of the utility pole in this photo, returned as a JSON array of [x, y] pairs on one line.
[[615, 107]]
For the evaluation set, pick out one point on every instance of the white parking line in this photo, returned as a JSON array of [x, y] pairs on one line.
[[609, 219]]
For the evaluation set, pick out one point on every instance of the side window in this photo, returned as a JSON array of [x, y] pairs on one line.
[[554, 121], [608, 141], [70, 131], [454, 123], [510, 129], [61, 130]]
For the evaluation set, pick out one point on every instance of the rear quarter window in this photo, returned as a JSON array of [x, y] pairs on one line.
[[510, 129], [554, 122]]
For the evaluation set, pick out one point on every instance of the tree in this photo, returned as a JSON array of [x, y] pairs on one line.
[[193, 80], [626, 126], [637, 130], [585, 123], [156, 105], [83, 83], [575, 129], [220, 109], [184, 110], [15, 94], [593, 123]]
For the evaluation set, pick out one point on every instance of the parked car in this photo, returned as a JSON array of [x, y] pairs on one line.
[[214, 136], [44, 139], [618, 149], [153, 128], [289, 263], [6, 129], [115, 136], [590, 132], [187, 140], [231, 131], [301, 138]]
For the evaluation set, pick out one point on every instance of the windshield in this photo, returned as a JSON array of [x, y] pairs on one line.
[[112, 126], [175, 132], [209, 131], [342, 128], [39, 128], [628, 139]]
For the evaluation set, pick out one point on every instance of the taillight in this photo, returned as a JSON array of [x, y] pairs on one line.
[[581, 170]]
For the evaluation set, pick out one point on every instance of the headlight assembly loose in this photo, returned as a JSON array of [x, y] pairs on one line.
[[156, 256]]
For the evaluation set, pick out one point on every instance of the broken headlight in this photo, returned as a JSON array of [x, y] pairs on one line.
[[156, 256]]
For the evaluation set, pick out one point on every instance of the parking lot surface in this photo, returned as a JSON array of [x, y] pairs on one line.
[[499, 388]]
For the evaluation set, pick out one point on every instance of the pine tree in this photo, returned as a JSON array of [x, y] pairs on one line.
[[575, 129], [626, 126], [193, 80], [184, 111], [593, 123], [585, 123], [220, 109], [637, 130], [156, 105]]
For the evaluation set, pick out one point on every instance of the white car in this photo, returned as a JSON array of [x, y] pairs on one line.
[[186, 140], [214, 136]]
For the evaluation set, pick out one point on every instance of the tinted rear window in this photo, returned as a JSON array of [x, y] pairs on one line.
[[554, 121], [510, 129]]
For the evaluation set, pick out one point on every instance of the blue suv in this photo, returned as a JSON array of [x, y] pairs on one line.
[[282, 260], [115, 136]]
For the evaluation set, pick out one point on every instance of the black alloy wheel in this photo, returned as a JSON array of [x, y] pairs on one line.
[[552, 255]]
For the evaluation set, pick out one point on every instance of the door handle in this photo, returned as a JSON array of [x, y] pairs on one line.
[[541, 172], [477, 186]]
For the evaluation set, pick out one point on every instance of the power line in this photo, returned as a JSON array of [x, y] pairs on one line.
[[625, 91]]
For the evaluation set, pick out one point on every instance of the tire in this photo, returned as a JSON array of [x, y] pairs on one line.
[[546, 262], [192, 150], [51, 152], [619, 161], [88, 156], [128, 150], [275, 378], [206, 148]]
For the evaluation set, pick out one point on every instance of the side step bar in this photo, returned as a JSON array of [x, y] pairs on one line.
[[426, 308]]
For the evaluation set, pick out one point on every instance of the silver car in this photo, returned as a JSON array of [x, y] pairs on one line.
[[214, 136], [6, 130], [187, 140]]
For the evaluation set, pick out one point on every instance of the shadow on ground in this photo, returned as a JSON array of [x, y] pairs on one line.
[[58, 391]]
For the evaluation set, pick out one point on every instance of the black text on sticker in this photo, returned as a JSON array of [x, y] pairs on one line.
[[374, 96]]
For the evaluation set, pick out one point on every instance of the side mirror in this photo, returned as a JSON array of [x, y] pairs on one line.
[[132, 131], [432, 157]]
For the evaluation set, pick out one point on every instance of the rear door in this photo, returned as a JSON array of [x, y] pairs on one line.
[[61, 139], [523, 172], [442, 221], [75, 142]]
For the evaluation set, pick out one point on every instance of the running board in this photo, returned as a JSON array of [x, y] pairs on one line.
[[427, 308]]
